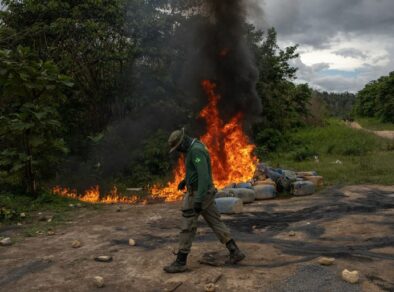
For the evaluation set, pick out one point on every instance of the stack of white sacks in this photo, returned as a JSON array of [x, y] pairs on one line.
[[264, 185]]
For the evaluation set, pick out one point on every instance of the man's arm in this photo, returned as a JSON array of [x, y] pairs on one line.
[[201, 164]]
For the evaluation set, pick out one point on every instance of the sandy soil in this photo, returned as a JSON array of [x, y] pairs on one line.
[[282, 240], [383, 134]]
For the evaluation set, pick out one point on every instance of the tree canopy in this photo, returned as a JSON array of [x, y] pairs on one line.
[[81, 74], [376, 99]]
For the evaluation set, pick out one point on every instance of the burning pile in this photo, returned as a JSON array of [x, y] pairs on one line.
[[219, 51], [231, 153]]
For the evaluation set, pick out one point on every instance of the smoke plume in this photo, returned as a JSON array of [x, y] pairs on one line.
[[220, 52], [213, 46]]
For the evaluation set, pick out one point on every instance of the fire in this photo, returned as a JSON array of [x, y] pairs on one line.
[[93, 196], [231, 157], [231, 153], [170, 193]]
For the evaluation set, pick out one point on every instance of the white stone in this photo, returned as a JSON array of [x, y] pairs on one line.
[[350, 276], [104, 259], [99, 282], [131, 242], [211, 287], [76, 244], [6, 241], [326, 261]]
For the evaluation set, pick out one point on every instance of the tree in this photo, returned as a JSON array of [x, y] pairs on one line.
[[285, 105], [376, 99], [87, 40], [31, 93]]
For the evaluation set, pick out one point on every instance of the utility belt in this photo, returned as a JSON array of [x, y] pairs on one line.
[[194, 187]]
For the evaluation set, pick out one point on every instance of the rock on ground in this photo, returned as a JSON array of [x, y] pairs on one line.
[[76, 244], [99, 281], [6, 241], [326, 261], [350, 276]]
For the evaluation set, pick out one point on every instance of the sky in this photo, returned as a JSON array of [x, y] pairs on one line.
[[343, 44]]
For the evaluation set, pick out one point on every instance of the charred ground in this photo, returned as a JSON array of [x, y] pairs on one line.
[[282, 239]]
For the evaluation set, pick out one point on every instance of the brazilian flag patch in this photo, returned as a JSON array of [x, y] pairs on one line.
[[197, 160]]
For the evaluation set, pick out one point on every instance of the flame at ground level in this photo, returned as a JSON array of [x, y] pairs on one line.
[[231, 153], [93, 196]]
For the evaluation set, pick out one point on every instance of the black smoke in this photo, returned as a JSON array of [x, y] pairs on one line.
[[211, 43], [220, 53]]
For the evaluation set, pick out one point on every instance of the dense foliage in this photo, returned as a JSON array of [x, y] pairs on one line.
[[338, 104], [31, 95], [377, 99], [285, 105], [122, 57]]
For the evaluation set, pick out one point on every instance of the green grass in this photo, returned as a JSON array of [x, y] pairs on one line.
[[375, 125], [365, 157], [58, 208]]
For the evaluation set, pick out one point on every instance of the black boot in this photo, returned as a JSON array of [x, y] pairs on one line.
[[179, 265], [236, 255]]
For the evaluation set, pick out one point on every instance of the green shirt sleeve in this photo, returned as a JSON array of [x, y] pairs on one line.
[[200, 162]]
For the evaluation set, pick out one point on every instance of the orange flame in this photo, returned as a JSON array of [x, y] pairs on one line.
[[93, 196], [231, 153], [231, 157]]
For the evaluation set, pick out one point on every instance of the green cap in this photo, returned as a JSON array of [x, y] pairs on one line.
[[175, 139]]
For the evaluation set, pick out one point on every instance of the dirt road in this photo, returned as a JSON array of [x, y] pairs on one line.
[[383, 134], [282, 240]]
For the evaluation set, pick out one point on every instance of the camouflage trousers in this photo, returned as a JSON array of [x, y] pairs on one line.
[[190, 218]]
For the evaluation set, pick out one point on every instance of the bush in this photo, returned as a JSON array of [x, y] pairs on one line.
[[269, 139], [303, 154]]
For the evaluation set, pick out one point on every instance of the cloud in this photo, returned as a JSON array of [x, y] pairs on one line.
[[353, 38], [350, 53]]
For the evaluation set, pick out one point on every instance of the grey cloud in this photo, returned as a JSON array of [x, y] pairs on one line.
[[315, 22], [323, 24], [317, 79], [350, 52]]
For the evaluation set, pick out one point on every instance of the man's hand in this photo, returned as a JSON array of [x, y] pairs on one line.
[[182, 185], [197, 207]]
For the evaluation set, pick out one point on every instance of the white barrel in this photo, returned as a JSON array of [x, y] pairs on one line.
[[301, 188], [246, 195], [229, 205], [264, 192]]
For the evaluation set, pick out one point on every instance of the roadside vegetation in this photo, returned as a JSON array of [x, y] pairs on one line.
[[375, 124], [340, 154]]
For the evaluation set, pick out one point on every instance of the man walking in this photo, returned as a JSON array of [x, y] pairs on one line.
[[199, 200]]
